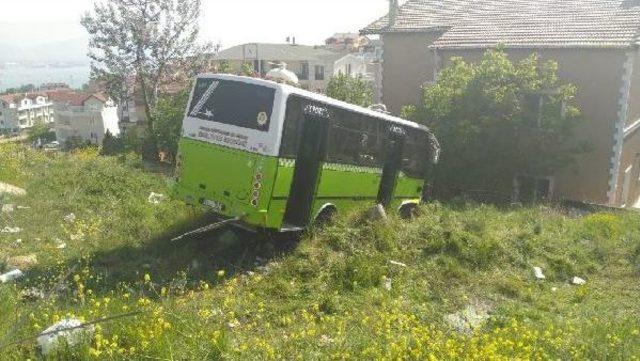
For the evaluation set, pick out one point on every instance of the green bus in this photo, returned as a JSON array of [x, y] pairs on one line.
[[278, 158]]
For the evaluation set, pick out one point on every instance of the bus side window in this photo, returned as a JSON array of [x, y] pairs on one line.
[[355, 140], [290, 133]]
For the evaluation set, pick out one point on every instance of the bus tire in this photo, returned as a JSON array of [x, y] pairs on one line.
[[326, 216], [408, 211]]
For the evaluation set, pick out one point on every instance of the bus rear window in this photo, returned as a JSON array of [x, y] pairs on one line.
[[231, 102]]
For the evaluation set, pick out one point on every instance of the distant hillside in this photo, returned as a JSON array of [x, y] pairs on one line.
[[67, 51]]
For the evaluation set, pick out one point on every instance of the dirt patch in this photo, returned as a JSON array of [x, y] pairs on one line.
[[12, 190]]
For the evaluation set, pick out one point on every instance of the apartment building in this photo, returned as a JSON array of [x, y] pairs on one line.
[[23, 111]]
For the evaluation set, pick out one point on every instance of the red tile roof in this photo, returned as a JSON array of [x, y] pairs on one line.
[[520, 23]]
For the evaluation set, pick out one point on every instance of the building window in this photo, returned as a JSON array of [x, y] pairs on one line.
[[304, 71], [319, 72], [348, 69]]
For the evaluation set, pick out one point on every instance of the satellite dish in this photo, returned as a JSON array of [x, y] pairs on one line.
[[282, 74]]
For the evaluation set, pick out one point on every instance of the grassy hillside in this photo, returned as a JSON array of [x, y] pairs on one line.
[[354, 290]]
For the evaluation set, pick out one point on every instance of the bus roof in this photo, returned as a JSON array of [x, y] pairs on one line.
[[288, 89]]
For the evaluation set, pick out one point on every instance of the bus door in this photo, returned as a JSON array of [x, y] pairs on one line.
[[392, 164], [311, 153]]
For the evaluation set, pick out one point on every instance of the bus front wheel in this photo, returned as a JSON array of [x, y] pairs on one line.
[[326, 216]]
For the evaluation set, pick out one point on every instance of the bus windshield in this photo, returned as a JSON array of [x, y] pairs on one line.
[[233, 103]]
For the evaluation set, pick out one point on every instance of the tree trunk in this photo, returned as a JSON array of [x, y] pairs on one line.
[[150, 145]]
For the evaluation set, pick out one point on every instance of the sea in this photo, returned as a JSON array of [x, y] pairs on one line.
[[13, 75]]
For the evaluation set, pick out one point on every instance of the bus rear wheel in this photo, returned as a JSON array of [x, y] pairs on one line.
[[409, 211]]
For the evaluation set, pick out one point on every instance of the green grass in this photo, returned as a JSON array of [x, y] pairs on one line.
[[241, 296]]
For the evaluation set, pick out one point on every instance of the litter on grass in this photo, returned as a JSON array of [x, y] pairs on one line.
[[578, 281], [11, 276], [68, 330], [396, 263], [469, 319], [10, 230], [70, 218], [537, 271], [156, 198], [386, 283]]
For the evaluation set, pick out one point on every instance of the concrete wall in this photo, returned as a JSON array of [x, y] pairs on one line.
[[407, 65], [598, 75]]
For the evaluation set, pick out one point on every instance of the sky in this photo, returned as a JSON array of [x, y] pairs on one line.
[[228, 22]]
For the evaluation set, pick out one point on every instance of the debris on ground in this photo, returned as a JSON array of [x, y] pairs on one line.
[[11, 276], [8, 208], [233, 324], [10, 230], [156, 198], [396, 263], [578, 281], [325, 340], [386, 283], [537, 271], [23, 262], [12, 190], [68, 330], [61, 245], [32, 294], [469, 319], [70, 218], [378, 213], [77, 237]]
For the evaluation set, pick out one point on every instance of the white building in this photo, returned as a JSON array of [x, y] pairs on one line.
[[85, 117], [22, 111], [313, 65], [367, 65]]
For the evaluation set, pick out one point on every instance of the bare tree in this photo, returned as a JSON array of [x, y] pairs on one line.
[[146, 44]]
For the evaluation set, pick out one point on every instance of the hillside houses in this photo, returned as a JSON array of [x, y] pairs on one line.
[[84, 117], [22, 111]]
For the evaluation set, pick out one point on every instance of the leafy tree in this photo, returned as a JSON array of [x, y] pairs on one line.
[[351, 90], [152, 42], [111, 145], [498, 119], [247, 69], [224, 67], [169, 114], [42, 132]]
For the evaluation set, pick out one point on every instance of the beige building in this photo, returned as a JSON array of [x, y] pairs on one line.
[[312, 64], [594, 42], [84, 117], [23, 111]]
